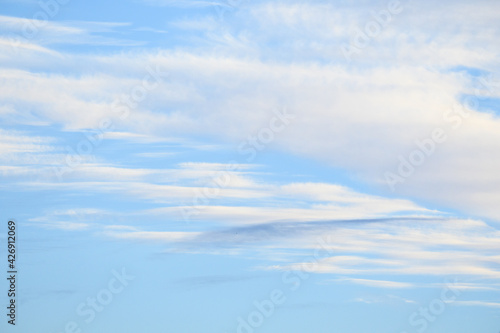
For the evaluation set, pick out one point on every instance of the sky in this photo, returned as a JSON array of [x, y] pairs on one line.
[[251, 165]]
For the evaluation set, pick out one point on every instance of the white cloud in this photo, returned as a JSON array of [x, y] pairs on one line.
[[164, 236], [186, 3], [477, 303], [63, 225], [358, 116], [377, 283], [15, 142], [46, 32], [10, 46], [339, 118]]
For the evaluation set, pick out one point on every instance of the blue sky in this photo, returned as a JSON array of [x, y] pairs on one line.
[[252, 166]]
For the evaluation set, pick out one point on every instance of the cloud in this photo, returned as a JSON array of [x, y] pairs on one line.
[[16, 142], [219, 86], [364, 250], [62, 225], [340, 115], [25, 31], [185, 3], [165, 236], [341, 110], [11, 44], [427, 247], [377, 283], [149, 29], [477, 303], [371, 299]]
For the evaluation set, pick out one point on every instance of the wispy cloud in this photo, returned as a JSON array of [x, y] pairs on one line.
[[52, 32], [16, 142], [429, 247], [477, 303], [313, 200], [185, 3], [377, 283]]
